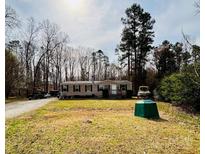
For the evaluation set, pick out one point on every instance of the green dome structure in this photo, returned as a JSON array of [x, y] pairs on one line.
[[146, 108]]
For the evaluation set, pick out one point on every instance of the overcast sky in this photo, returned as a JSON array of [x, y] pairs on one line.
[[97, 24]]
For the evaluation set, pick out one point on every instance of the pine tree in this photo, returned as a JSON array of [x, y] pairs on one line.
[[136, 41]]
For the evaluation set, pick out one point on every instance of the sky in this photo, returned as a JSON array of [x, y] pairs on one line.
[[97, 23]]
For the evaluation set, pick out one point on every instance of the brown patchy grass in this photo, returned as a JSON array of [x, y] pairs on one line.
[[102, 126]]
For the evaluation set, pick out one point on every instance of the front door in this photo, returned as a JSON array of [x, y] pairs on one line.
[[113, 89]]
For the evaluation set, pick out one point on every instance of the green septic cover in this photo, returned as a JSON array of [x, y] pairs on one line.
[[147, 109]]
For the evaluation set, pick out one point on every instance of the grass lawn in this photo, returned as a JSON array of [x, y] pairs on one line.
[[102, 126]]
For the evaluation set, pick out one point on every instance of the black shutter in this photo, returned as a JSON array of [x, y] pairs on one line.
[[73, 88], [85, 88], [67, 87], [79, 88], [91, 87]]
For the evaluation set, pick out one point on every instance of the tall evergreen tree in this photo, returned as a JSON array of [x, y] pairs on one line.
[[165, 59], [136, 41], [169, 58]]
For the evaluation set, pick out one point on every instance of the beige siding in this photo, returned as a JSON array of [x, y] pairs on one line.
[[94, 87], [82, 91]]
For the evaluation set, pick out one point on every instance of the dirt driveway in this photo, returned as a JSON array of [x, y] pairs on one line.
[[17, 108]]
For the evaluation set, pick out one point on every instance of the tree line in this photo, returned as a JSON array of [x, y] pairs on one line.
[[172, 71], [42, 57]]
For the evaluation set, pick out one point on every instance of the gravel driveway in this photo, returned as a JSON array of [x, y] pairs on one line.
[[17, 108]]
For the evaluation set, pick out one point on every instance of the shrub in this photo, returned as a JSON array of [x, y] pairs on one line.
[[179, 88]]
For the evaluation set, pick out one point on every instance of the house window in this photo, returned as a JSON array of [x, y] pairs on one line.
[[123, 87], [64, 87], [100, 87], [76, 88], [88, 88]]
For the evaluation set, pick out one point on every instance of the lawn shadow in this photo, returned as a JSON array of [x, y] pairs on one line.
[[96, 98], [159, 120]]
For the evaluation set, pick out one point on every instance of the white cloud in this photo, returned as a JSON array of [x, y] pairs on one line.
[[97, 24]]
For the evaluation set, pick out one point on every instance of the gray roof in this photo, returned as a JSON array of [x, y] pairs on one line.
[[96, 82]]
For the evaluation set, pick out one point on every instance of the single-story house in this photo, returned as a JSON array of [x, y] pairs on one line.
[[106, 88]]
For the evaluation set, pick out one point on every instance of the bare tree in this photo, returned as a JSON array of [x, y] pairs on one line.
[[84, 60], [11, 18], [113, 71], [50, 43], [65, 63], [100, 56], [197, 6], [57, 59], [94, 63], [29, 48], [71, 63], [194, 51]]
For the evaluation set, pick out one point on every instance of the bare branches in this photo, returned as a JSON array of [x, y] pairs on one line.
[[194, 50], [186, 38], [47, 59], [11, 18], [197, 6]]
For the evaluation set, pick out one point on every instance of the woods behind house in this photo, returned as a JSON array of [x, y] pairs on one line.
[[41, 57]]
